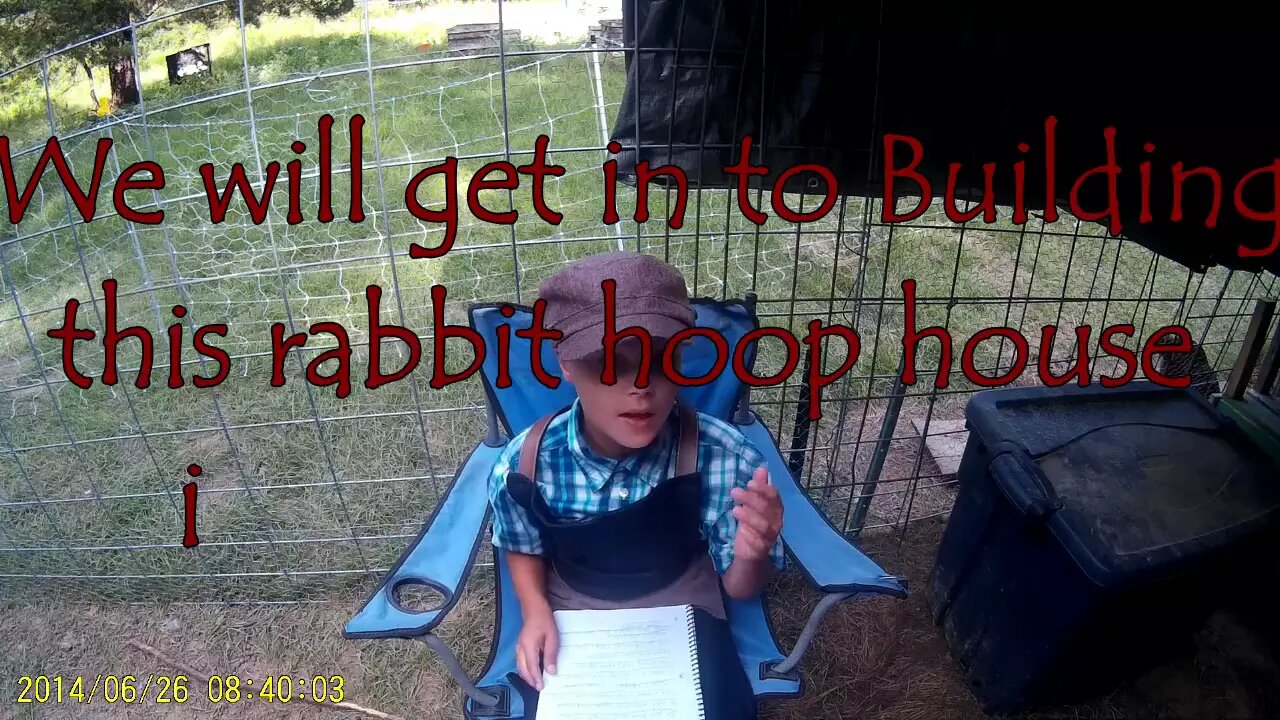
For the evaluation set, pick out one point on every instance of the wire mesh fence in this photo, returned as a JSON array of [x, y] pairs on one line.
[[304, 494]]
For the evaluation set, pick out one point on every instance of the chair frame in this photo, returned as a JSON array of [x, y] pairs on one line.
[[495, 701]]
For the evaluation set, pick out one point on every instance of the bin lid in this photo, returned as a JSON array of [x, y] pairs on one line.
[[1148, 477]]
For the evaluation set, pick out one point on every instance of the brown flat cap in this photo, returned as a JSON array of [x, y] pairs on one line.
[[648, 293]]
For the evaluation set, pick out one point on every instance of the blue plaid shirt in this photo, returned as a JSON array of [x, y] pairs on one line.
[[577, 482]]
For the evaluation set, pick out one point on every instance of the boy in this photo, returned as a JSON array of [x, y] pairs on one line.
[[627, 498]]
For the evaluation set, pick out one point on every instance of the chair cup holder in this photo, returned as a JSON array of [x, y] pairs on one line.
[[415, 596]]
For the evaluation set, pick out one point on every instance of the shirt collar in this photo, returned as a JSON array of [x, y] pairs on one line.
[[652, 462]]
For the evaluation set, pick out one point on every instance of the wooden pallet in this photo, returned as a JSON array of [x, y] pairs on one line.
[[608, 33], [479, 38]]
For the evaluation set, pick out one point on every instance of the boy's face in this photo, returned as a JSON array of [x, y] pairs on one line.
[[621, 417]]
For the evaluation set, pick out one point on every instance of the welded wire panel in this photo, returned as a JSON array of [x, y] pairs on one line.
[[311, 488]]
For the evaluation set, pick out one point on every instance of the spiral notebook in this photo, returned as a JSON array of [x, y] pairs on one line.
[[635, 664]]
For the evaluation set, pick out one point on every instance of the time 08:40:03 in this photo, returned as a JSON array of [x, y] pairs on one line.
[[275, 688]]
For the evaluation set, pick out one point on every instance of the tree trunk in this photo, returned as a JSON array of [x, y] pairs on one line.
[[124, 86], [124, 75]]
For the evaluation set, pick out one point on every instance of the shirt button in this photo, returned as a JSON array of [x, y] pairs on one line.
[[623, 493]]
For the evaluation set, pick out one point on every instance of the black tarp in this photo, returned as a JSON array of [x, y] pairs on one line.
[[824, 82]]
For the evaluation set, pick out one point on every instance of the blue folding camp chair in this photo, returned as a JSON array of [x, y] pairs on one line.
[[443, 555]]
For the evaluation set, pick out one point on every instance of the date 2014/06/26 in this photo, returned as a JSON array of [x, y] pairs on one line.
[[165, 689]]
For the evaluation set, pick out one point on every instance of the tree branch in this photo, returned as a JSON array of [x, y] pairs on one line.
[[93, 92]]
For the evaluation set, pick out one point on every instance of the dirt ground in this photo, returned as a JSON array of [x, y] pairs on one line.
[[875, 659]]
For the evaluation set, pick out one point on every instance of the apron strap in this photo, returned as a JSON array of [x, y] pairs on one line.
[[687, 451], [532, 441]]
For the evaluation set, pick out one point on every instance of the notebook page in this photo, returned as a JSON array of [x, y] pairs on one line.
[[635, 664]]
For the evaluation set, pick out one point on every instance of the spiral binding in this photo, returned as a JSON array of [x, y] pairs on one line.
[[691, 622]]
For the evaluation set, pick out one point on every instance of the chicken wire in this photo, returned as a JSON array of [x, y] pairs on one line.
[[305, 495]]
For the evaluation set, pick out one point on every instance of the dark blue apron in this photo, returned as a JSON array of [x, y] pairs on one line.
[[643, 550]]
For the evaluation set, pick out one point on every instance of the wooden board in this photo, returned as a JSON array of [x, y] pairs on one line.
[[945, 443], [608, 33], [482, 37]]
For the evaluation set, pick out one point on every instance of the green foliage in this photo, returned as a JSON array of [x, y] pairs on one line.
[[322, 9], [45, 25], [29, 28]]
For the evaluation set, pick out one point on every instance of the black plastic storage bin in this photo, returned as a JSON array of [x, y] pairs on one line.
[[1093, 531]]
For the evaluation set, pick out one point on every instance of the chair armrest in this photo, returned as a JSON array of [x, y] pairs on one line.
[[830, 561], [441, 557]]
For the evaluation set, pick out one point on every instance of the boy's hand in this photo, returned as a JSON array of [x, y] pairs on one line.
[[536, 647], [759, 514]]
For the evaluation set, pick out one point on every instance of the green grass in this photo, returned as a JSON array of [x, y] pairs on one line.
[[373, 465]]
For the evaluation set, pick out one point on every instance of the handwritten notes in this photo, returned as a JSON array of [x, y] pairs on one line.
[[638, 664]]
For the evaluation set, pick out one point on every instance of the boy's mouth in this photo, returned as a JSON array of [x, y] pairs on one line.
[[637, 416]]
